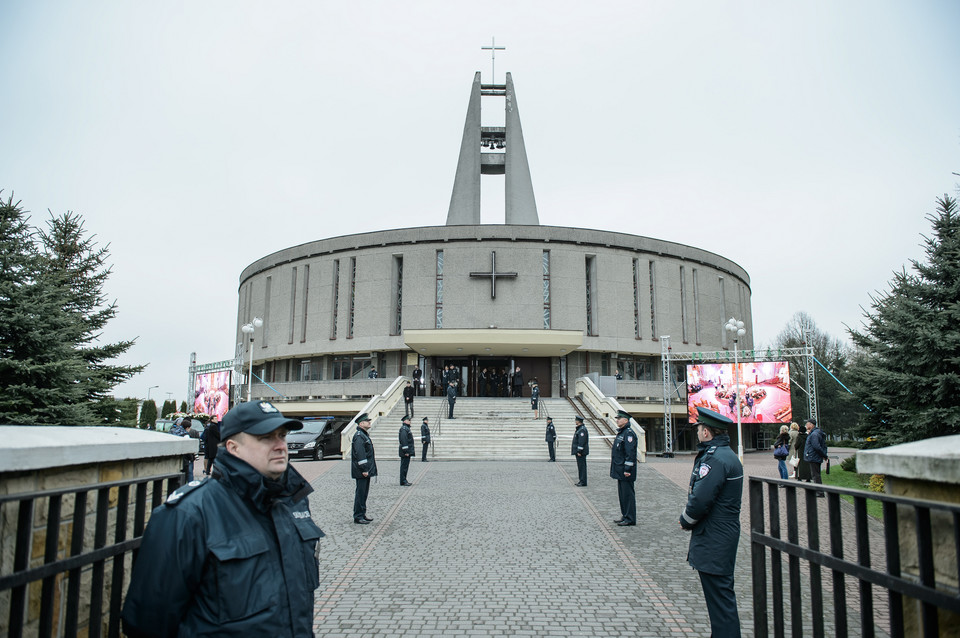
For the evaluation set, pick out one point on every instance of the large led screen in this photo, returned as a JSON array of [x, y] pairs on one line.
[[764, 389], [212, 393]]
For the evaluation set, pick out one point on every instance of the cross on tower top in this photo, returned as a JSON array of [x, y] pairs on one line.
[[493, 48]]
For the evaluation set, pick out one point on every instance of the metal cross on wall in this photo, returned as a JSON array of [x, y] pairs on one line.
[[493, 48], [493, 274]]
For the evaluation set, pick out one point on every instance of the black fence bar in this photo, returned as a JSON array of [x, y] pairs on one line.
[[839, 581], [72, 566], [806, 560], [776, 571], [71, 621], [863, 557]]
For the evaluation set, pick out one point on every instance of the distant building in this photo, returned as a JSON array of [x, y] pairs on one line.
[[558, 302]]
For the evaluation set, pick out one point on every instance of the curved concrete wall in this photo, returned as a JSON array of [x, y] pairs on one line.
[[287, 301]]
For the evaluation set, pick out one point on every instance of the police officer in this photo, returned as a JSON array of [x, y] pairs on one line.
[[451, 398], [425, 437], [406, 450], [363, 467], [551, 439], [623, 467], [713, 514], [581, 448], [232, 555]]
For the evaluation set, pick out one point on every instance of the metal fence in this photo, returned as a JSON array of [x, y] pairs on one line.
[[109, 510], [882, 575]]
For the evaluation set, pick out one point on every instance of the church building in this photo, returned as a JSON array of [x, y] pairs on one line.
[[484, 299]]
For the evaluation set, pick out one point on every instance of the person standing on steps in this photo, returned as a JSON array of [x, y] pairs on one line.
[[451, 398], [581, 448], [363, 467], [517, 383], [408, 400], [406, 450], [535, 400], [551, 439]]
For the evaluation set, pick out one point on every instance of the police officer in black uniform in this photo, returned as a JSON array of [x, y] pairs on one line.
[[551, 439], [623, 467], [425, 437], [581, 448], [363, 467], [406, 449], [451, 398], [235, 554], [713, 515]]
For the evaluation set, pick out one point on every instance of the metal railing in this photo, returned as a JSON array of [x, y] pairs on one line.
[[907, 573], [111, 517]]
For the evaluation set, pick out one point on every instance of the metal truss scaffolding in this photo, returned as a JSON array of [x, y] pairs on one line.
[[722, 356]]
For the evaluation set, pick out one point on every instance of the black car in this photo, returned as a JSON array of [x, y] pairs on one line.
[[319, 438]]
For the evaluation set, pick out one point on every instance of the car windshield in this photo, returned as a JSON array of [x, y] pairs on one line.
[[305, 432]]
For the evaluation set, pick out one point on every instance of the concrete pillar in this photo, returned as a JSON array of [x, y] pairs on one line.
[[928, 470]]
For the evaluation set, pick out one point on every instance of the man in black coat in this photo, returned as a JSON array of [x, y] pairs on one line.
[[235, 554], [363, 467], [623, 467], [417, 380], [712, 513], [451, 398], [581, 448], [551, 439], [408, 400], [516, 382], [425, 437], [406, 450]]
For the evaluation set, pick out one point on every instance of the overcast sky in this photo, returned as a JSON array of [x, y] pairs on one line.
[[805, 141]]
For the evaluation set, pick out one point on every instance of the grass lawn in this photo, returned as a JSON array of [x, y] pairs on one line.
[[841, 478]]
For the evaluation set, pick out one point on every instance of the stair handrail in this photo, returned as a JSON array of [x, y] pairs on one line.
[[377, 406], [607, 408]]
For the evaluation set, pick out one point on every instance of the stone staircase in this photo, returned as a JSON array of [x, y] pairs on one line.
[[484, 429]]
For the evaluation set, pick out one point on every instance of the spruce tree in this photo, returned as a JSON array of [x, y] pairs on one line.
[[183, 407], [909, 369], [39, 369], [76, 266]]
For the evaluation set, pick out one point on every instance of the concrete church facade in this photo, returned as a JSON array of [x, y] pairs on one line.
[[558, 302]]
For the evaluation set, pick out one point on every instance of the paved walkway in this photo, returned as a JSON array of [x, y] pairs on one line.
[[506, 548]]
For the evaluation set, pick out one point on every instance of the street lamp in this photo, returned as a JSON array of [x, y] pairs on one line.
[[737, 330], [248, 329], [149, 389]]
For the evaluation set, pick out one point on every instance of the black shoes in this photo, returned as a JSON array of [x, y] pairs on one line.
[[625, 523], [579, 484], [619, 520], [367, 518], [361, 521], [406, 484]]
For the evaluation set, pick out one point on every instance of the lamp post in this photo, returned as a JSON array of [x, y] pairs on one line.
[[248, 329], [737, 330], [149, 389]]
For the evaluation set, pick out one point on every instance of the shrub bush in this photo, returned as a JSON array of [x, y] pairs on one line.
[[876, 483], [849, 464]]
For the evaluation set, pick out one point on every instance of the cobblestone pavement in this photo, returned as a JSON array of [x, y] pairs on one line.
[[498, 548]]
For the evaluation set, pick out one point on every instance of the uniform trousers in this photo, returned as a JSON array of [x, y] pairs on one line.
[[551, 447], [628, 500], [450, 416], [408, 409], [721, 605], [404, 466], [360, 498], [582, 468], [425, 446]]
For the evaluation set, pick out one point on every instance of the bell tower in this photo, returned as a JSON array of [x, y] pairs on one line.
[[493, 150]]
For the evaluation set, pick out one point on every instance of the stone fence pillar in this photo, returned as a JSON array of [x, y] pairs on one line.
[[928, 470], [39, 458]]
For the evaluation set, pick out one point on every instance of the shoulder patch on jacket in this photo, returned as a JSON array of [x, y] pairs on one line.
[[704, 469], [182, 492]]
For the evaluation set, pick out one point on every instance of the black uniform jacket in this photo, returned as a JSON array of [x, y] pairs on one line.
[[406, 440], [451, 394], [713, 508], [408, 394], [233, 555], [424, 433], [581, 441], [623, 455], [551, 432], [362, 458]]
